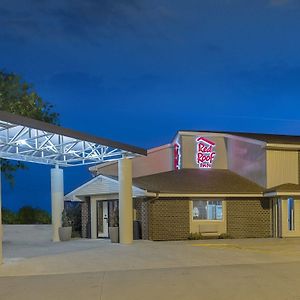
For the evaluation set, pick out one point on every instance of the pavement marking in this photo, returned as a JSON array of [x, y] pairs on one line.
[[217, 245]]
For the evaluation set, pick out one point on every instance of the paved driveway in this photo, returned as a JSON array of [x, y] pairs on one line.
[[210, 269]]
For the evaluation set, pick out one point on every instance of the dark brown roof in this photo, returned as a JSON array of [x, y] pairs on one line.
[[195, 181], [268, 138], [287, 187], [27, 122]]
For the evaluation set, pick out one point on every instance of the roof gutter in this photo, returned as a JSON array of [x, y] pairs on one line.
[[211, 195], [275, 194]]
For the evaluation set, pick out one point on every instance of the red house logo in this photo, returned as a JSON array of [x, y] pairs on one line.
[[177, 156], [205, 153]]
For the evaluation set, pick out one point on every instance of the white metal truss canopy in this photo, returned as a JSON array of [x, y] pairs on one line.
[[30, 140]]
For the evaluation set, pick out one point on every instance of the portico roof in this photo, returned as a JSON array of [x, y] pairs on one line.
[[100, 186], [26, 139]]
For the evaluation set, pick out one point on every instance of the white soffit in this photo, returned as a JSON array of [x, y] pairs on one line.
[[29, 140]]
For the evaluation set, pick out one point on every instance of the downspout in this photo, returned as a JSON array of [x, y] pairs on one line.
[[151, 200]]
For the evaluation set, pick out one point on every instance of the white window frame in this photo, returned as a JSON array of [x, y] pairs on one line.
[[207, 200]]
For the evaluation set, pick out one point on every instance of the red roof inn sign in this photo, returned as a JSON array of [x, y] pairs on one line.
[[177, 156], [205, 153]]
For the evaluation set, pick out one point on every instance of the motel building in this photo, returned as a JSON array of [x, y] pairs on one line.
[[227, 184], [238, 185]]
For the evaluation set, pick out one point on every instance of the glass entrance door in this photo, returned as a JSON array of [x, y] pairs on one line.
[[102, 219]]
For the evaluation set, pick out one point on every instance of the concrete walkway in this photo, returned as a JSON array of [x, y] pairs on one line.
[[85, 269]]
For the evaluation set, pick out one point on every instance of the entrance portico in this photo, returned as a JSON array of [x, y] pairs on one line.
[[29, 140]]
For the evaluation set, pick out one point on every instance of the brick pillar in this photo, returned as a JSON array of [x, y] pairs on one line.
[[145, 220], [85, 219]]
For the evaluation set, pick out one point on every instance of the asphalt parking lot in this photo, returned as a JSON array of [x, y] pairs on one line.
[[85, 269]]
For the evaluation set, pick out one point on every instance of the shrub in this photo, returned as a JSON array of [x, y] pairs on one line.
[[195, 236], [224, 236], [73, 213], [65, 219]]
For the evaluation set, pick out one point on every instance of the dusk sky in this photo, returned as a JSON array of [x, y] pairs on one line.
[[138, 71]]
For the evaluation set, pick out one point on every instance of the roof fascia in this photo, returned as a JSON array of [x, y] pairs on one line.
[[48, 127], [276, 146], [226, 135], [210, 195]]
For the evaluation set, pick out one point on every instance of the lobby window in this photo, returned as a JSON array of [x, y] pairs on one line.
[[291, 215], [207, 210]]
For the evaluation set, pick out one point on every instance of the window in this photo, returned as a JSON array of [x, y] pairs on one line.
[[291, 222], [207, 210]]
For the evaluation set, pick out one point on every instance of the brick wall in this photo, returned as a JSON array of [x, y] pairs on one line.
[[169, 219], [85, 218], [142, 214], [249, 218]]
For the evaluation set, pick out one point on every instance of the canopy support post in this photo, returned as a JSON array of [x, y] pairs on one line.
[[57, 200], [125, 201]]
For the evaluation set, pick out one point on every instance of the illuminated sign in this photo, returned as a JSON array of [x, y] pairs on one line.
[[205, 153], [177, 156]]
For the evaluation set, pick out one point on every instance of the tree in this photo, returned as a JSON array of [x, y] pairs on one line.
[[9, 217], [19, 97]]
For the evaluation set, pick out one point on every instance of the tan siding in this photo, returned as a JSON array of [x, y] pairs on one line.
[[282, 167], [156, 161]]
